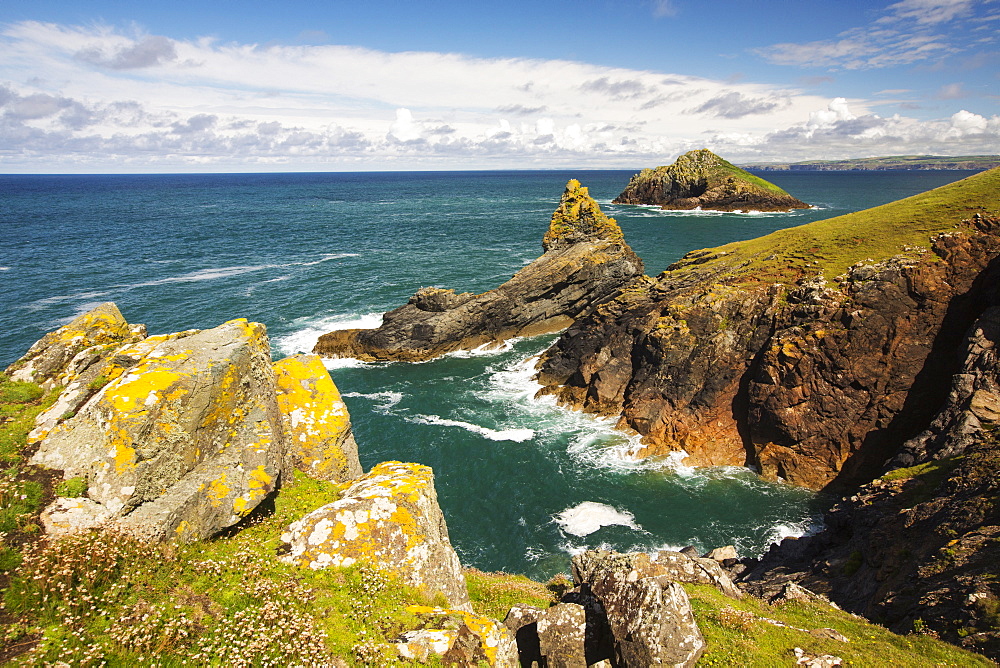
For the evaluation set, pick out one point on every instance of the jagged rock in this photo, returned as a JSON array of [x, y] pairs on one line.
[[791, 591], [389, 518], [321, 441], [650, 616], [722, 554], [973, 403], [562, 632], [674, 566], [179, 435], [96, 330], [702, 179], [181, 441], [586, 261], [457, 637], [814, 382]]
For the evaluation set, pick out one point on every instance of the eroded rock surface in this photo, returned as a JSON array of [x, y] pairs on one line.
[[180, 435], [701, 179], [389, 518], [818, 383], [586, 261]]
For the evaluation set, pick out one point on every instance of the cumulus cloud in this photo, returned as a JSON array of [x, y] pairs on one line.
[[619, 90], [520, 109]]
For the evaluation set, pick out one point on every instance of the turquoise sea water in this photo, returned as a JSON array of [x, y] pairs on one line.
[[522, 483]]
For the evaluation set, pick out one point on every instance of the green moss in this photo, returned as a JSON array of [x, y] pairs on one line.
[[736, 640], [72, 488], [853, 563], [493, 594], [922, 479], [831, 246]]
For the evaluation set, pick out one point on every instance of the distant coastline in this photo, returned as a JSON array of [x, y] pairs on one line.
[[897, 162]]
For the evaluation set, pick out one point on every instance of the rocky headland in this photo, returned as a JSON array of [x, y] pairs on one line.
[[701, 179], [812, 353], [585, 261]]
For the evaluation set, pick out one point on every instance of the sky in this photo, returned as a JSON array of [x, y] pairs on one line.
[[112, 86]]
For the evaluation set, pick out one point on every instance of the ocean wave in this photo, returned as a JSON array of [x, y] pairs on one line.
[[4, 268], [384, 401], [308, 330], [61, 299], [516, 435], [485, 350], [585, 518], [327, 258], [210, 274]]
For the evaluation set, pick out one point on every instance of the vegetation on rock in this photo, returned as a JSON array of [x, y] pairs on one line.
[[702, 179]]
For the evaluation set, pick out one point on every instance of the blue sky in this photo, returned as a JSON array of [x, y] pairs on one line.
[[253, 86]]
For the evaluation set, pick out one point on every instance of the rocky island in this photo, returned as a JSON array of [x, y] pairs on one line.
[[701, 179], [585, 261]]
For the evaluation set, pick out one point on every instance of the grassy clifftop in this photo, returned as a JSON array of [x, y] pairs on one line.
[[831, 246]]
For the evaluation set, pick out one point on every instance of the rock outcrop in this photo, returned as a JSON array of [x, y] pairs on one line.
[[917, 550], [586, 261], [389, 518], [701, 179], [180, 435], [747, 355], [456, 637]]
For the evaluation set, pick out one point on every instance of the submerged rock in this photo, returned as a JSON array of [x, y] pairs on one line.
[[586, 261], [182, 435], [701, 179], [389, 518]]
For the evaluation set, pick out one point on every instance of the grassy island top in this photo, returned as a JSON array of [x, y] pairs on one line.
[[703, 165], [831, 246]]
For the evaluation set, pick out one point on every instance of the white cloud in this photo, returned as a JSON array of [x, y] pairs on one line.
[[147, 106]]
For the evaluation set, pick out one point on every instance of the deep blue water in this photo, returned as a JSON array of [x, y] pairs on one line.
[[520, 481]]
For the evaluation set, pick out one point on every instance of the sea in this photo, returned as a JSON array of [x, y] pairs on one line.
[[524, 484]]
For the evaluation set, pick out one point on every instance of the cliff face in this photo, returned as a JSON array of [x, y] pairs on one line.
[[813, 381], [703, 179], [586, 261]]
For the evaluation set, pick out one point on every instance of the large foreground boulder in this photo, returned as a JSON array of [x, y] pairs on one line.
[[181, 435], [456, 637], [586, 261], [389, 518]]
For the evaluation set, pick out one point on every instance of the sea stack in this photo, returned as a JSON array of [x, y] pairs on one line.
[[701, 179], [586, 262]]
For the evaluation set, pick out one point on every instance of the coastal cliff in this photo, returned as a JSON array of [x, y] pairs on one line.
[[701, 179], [812, 353], [586, 261]]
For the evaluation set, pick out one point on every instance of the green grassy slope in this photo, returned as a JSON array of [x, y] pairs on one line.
[[831, 246]]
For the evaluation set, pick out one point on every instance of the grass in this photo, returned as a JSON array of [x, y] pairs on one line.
[[832, 246], [737, 636], [922, 479], [494, 594]]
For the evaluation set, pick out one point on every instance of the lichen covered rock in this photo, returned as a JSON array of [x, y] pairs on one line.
[[320, 440], [389, 518], [185, 437], [457, 637], [586, 261], [99, 329], [649, 612]]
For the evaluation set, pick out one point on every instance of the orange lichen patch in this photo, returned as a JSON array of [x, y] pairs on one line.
[[218, 490], [140, 389], [491, 633], [316, 418]]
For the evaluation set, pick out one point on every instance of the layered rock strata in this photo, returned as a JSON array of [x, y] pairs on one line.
[[389, 518], [813, 381], [586, 261], [701, 179], [180, 435]]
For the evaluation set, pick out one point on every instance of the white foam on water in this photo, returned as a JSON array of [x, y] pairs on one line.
[[781, 531], [308, 330], [334, 363], [585, 518], [4, 268], [327, 258], [516, 435], [210, 274], [59, 299], [384, 401], [485, 350]]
